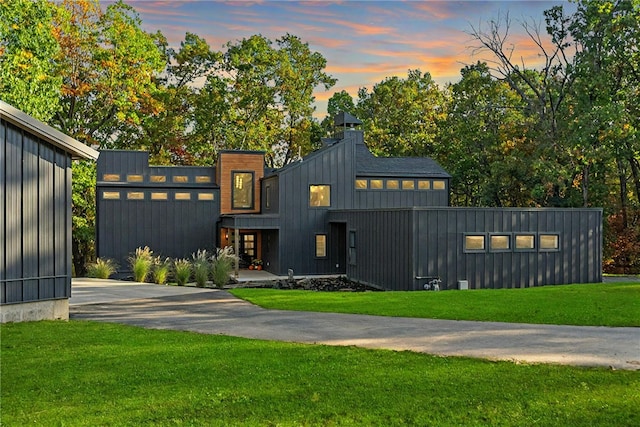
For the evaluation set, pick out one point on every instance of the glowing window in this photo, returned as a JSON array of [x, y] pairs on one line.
[[376, 184], [242, 190], [525, 242], [205, 196], [182, 196], [203, 179], [158, 196], [135, 178], [321, 245], [423, 184], [111, 177], [439, 185], [111, 195], [320, 195], [474, 243], [180, 179], [361, 184], [549, 242], [408, 184], [135, 195], [392, 184], [499, 242], [158, 178]]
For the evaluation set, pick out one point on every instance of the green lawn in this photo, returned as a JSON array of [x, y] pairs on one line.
[[611, 304], [87, 374]]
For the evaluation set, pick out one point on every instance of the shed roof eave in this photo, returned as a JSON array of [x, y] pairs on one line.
[[77, 149]]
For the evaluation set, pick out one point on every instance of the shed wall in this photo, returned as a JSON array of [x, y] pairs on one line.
[[35, 263]]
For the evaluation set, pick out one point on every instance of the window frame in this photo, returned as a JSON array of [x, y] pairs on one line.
[[524, 234], [509, 242], [549, 234], [320, 238], [468, 250], [252, 197], [320, 206]]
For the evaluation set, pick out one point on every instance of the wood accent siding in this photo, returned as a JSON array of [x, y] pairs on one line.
[[229, 162]]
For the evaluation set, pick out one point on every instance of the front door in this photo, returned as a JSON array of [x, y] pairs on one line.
[[338, 241], [248, 245]]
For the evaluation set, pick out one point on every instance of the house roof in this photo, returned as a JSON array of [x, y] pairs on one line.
[[370, 165], [77, 149]]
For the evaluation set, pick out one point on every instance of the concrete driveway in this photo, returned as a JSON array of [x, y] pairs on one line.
[[218, 312]]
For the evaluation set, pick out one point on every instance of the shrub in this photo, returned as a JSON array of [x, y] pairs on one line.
[[102, 268], [161, 270], [182, 271], [222, 264], [200, 267], [141, 263]]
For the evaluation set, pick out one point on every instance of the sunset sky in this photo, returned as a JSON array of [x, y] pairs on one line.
[[363, 41]]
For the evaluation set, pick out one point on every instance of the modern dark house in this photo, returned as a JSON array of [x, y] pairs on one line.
[[35, 223], [341, 210]]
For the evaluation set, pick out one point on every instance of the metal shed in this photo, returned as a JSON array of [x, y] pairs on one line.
[[35, 204]]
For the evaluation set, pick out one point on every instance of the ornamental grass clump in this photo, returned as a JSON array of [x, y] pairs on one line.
[[103, 268], [141, 263], [182, 271], [161, 270], [221, 265], [201, 267]]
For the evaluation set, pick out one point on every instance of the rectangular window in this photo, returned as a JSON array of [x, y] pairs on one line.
[[111, 195], [111, 177], [205, 196], [203, 179], [158, 178], [158, 196], [549, 242], [408, 184], [182, 196], [267, 197], [474, 243], [392, 184], [242, 190], [180, 179], [423, 184], [439, 185], [500, 242], [376, 184], [361, 184], [319, 195], [135, 178], [321, 245], [525, 242], [135, 195]]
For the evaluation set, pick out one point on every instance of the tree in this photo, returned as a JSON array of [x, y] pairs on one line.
[[108, 63], [484, 142], [400, 115], [28, 78]]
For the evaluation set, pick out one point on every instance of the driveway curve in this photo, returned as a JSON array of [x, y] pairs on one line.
[[211, 311]]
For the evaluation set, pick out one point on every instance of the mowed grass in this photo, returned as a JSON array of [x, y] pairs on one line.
[[610, 304], [87, 374]]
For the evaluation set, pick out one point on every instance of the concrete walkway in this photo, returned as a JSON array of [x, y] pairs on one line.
[[218, 312]]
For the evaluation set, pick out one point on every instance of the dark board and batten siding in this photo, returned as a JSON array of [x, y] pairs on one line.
[[333, 166], [432, 242], [36, 218], [175, 225]]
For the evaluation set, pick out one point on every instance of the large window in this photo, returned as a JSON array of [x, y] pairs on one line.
[[319, 195], [242, 190], [321, 245], [474, 243], [549, 242]]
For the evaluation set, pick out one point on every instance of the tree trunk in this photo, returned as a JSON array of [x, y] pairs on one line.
[[623, 192]]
